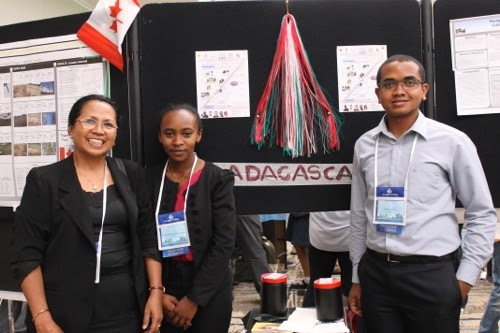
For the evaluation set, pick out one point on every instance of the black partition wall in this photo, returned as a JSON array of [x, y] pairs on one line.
[[171, 33], [482, 129]]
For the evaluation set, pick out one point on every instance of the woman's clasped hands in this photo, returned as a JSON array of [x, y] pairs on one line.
[[179, 313]]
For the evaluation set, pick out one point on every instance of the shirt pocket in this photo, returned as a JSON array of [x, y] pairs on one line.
[[425, 182]]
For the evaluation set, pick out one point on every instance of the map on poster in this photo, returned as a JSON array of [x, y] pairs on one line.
[[40, 79], [222, 84], [475, 54], [357, 67]]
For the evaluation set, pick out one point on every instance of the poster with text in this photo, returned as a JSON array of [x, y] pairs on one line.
[[475, 54], [222, 84], [39, 81], [357, 67]]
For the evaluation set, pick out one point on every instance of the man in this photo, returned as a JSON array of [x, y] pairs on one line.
[[329, 238], [249, 236], [407, 173]]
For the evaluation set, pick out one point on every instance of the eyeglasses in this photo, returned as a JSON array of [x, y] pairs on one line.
[[89, 123], [408, 83]]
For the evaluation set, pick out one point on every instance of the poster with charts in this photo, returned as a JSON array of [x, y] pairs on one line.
[[475, 54], [357, 67], [222, 84], [39, 81]]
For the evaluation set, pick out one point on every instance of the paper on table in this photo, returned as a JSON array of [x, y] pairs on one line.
[[304, 320], [336, 327], [301, 321]]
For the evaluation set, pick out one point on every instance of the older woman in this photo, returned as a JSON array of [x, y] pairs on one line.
[[83, 238]]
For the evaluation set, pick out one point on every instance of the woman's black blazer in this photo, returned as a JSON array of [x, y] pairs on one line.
[[53, 230], [211, 220]]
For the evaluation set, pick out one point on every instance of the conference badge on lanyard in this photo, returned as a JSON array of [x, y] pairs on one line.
[[172, 229], [390, 209], [389, 204], [174, 235]]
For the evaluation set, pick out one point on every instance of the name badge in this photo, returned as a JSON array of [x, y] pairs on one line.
[[174, 235], [390, 209]]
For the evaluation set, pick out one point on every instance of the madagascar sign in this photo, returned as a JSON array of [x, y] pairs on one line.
[[277, 174]]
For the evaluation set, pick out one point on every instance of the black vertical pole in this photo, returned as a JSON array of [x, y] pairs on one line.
[[428, 55], [134, 93]]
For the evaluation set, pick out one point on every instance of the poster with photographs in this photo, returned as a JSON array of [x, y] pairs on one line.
[[38, 85], [222, 84], [357, 67]]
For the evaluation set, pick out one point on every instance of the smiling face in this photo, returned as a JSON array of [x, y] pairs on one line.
[[94, 142], [399, 102], [179, 133]]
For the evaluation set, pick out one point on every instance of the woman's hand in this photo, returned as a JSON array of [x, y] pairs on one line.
[[169, 303], [153, 313], [184, 313], [45, 324]]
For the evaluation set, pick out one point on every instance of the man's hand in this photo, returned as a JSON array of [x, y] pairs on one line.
[[464, 289], [354, 299]]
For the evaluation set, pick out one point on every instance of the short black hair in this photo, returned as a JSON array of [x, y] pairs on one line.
[[76, 109], [180, 106], [402, 58]]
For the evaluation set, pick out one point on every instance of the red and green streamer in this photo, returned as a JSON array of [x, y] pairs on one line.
[[293, 106]]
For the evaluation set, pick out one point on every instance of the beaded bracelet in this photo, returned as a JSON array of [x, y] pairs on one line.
[[39, 313], [162, 288]]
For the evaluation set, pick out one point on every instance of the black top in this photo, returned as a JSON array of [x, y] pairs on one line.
[[116, 233]]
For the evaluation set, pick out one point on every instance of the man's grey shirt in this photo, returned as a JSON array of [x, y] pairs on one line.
[[445, 165]]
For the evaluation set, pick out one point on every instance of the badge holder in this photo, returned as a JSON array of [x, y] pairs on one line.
[[390, 209], [389, 202], [173, 234], [172, 229]]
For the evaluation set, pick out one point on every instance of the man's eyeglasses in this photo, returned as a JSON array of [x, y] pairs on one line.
[[408, 83], [89, 123]]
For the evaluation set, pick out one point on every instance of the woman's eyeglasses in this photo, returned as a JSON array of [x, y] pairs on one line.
[[89, 123]]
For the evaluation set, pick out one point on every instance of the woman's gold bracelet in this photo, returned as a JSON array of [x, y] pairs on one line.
[[39, 313], [162, 288]]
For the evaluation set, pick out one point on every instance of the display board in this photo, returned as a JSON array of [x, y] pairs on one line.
[[482, 129], [69, 25], [171, 34]]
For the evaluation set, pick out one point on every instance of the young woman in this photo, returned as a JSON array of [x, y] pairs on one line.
[[199, 281], [83, 242]]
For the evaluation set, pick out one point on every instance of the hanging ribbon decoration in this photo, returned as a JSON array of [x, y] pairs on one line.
[[293, 105]]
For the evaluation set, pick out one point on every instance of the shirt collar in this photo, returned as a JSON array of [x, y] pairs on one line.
[[419, 126]]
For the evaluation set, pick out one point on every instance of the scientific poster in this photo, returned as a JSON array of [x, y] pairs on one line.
[[357, 67], [222, 84], [475, 54], [39, 80]]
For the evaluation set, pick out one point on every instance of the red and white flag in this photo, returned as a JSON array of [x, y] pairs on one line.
[[107, 26]]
